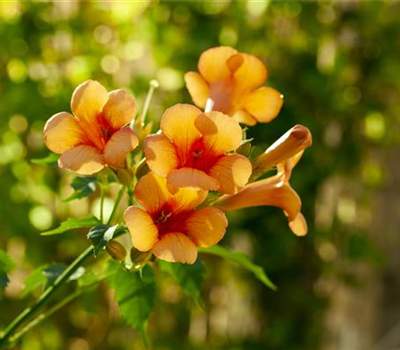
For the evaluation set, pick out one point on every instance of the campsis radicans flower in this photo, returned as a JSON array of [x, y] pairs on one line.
[[191, 150], [273, 191], [232, 81], [169, 225], [96, 135], [288, 145]]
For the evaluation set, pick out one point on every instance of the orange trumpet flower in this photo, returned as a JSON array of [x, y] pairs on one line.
[[288, 145], [97, 134], [191, 150], [232, 81], [273, 191], [169, 225]]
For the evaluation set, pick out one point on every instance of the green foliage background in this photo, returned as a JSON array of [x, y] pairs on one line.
[[336, 64]]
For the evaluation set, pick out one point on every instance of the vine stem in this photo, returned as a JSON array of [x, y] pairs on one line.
[[153, 85], [48, 293], [102, 195], [116, 205], [39, 319]]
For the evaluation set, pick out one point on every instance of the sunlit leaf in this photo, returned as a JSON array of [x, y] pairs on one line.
[[71, 224], [6, 265], [83, 186], [242, 260], [189, 277], [100, 235], [135, 293], [51, 160], [45, 275]]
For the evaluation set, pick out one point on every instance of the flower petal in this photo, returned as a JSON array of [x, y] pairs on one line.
[[189, 177], [299, 225], [62, 132], [232, 171], [213, 63], [120, 108], [288, 145], [251, 74], [87, 101], [272, 191], [186, 199], [198, 88], [206, 226], [264, 104], [245, 118], [144, 232], [175, 247], [120, 144], [177, 124], [84, 160], [160, 154], [151, 191], [220, 132]]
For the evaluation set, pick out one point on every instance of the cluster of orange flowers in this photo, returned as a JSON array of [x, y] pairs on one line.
[[192, 153]]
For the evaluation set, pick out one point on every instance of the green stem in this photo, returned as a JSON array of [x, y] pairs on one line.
[[102, 195], [39, 319], [116, 205], [153, 85], [48, 293]]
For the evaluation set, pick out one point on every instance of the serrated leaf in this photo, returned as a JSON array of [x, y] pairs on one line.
[[242, 260], [71, 224], [51, 160], [83, 186], [6, 265], [135, 294], [189, 277], [100, 235]]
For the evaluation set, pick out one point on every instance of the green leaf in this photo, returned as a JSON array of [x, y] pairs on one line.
[[242, 260], [71, 224], [34, 280], [100, 235], [6, 265], [45, 275], [51, 159], [189, 277], [135, 293], [83, 186]]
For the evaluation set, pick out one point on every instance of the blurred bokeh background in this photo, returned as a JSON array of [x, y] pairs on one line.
[[338, 65]]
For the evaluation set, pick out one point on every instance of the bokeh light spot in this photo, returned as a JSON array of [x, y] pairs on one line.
[[374, 126], [41, 218]]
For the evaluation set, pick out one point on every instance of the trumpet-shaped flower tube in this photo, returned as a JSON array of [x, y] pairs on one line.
[[274, 191], [169, 226], [192, 150], [96, 135], [232, 81], [288, 145]]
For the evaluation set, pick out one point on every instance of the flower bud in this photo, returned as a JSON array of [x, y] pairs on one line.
[[116, 250], [125, 176], [137, 256], [288, 145]]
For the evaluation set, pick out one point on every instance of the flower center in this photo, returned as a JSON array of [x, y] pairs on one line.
[[162, 217]]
